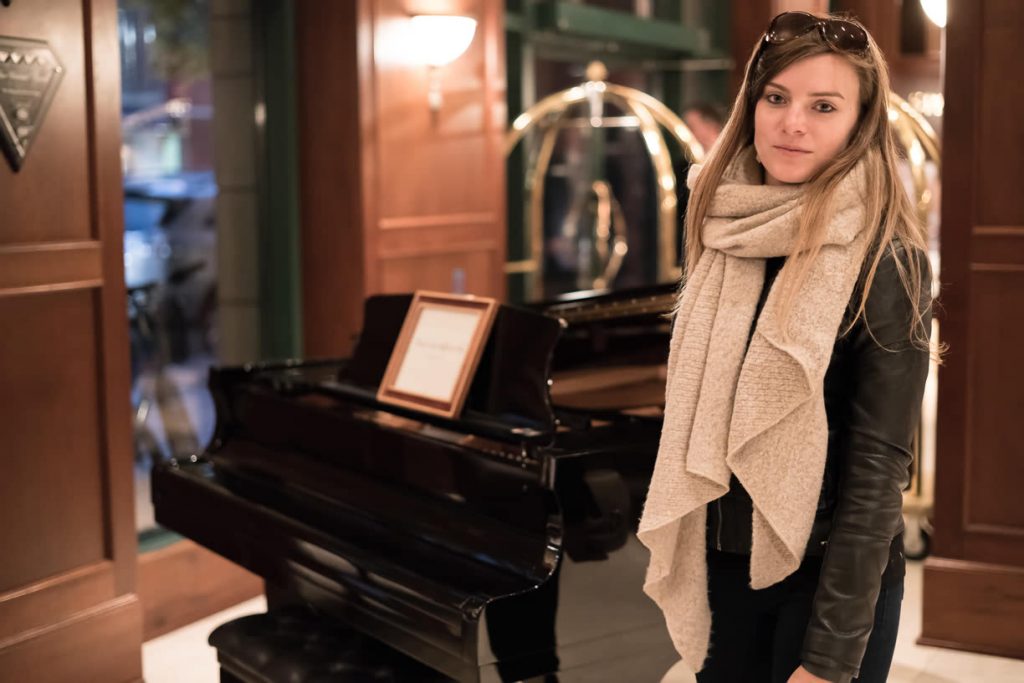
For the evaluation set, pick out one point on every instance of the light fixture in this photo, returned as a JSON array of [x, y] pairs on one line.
[[438, 40], [936, 11]]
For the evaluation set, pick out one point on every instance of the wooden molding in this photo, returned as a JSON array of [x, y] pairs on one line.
[[439, 220], [973, 606], [101, 643], [185, 582], [27, 268], [55, 599]]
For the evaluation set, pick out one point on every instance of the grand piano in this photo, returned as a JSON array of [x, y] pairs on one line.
[[496, 546]]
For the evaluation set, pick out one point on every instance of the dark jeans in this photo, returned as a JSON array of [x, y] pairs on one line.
[[757, 635]]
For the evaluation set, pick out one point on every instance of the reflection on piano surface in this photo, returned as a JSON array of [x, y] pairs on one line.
[[498, 546]]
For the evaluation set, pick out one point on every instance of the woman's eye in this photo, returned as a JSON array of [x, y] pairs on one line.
[[773, 98], [825, 108]]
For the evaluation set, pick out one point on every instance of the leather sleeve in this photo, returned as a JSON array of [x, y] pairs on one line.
[[874, 464]]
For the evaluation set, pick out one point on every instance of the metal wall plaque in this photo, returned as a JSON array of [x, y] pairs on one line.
[[29, 75]]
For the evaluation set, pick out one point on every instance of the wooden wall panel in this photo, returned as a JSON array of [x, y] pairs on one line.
[[972, 583], [748, 21], [432, 163], [434, 271], [98, 644], [51, 366], [68, 610], [999, 130], [49, 267], [440, 169], [58, 161], [331, 40], [994, 466], [881, 18], [396, 193]]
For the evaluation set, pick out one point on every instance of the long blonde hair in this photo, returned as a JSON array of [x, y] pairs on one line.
[[889, 215]]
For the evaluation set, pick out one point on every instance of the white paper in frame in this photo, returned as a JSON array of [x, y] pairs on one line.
[[437, 352]]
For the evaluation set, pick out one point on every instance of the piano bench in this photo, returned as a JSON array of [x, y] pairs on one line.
[[296, 645]]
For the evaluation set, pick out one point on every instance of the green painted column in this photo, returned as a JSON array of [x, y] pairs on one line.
[[280, 262]]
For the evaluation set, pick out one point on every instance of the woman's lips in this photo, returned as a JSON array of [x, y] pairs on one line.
[[791, 151]]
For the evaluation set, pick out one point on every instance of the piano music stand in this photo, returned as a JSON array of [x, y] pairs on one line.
[[437, 352]]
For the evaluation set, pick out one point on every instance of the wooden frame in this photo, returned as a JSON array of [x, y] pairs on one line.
[[437, 352]]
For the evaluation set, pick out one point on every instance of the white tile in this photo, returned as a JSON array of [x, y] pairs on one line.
[[184, 655], [950, 665], [900, 673]]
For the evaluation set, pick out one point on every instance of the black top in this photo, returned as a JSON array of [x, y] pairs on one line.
[[730, 518]]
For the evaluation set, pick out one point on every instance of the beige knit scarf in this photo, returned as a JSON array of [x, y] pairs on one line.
[[757, 412]]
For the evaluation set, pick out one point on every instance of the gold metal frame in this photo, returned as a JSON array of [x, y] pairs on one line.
[[921, 143], [651, 116], [912, 131]]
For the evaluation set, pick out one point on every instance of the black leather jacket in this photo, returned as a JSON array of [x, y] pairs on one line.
[[873, 390]]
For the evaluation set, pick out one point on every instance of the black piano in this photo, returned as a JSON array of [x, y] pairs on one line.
[[498, 546]]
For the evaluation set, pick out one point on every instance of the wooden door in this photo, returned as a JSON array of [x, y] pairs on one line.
[[68, 609], [974, 581]]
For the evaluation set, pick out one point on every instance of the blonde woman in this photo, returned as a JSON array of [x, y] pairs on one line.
[[796, 368]]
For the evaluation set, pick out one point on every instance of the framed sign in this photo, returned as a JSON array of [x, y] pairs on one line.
[[29, 76], [437, 352]]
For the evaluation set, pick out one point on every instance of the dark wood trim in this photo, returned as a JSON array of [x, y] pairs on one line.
[[329, 49], [973, 606], [997, 248], [103, 95], [98, 644], [963, 35], [487, 245], [749, 20], [979, 648], [367, 17], [185, 582]]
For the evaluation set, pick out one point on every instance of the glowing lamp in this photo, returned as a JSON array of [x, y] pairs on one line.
[[936, 11], [441, 39]]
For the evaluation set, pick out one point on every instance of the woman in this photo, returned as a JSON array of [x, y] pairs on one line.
[[796, 369]]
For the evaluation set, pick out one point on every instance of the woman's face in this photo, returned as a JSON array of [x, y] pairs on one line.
[[805, 117]]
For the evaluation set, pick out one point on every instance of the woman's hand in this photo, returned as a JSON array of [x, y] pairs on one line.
[[802, 675]]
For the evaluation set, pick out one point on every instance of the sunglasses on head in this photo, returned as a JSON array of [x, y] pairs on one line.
[[840, 35]]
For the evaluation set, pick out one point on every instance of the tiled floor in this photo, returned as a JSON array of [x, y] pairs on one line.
[[184, 655]]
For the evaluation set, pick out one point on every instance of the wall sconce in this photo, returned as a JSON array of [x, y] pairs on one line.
[[936, 11], [440, 40]]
